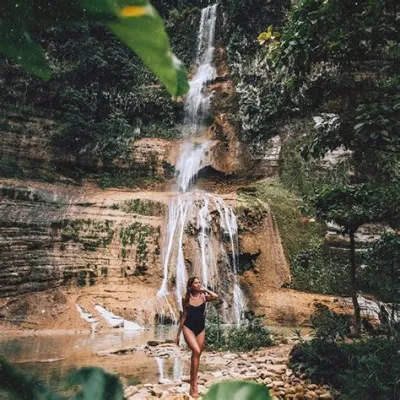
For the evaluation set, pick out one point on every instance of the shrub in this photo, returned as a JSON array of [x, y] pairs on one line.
[[215, 338], [314, 270], [329, 325], [250, 335], [368, 369]]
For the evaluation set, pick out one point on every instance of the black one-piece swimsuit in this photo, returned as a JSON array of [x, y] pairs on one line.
[[195, 319]]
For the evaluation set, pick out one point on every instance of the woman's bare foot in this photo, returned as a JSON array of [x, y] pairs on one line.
[[194, 392]]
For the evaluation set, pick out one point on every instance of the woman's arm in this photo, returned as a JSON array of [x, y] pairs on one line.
[[210, 296], [182, 319]]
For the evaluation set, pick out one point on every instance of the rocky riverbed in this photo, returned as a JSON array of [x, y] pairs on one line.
[[266, 366]]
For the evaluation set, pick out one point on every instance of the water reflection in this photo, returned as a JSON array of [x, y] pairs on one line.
[[50, 358]]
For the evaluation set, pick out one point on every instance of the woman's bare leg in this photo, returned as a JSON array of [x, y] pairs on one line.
[[191, 341], [201, 339]]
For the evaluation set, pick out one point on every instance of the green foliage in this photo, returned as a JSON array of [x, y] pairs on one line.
[[139, 235], [366, 369], [20, 385], [126, 178], [142, 207], [372, 124], [136, 233], [251, 334], [321, 31], [137, 24], [329, 325], [106, 140], [101, 98], [182, 27], [96, 384], [321, 360], [382, 260], [215, 338], [260, 102], [352, 206], [81, 280], [92, 383], [237, 390], [306, 176], [313, 270], [9, 168], [92, 234], [296, 234], [343, 59]]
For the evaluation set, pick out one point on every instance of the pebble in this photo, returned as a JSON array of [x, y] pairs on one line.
[[326, 396], [267, 367]]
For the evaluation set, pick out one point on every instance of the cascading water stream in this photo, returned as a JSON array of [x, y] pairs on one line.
[[194, 244], [197, 104]]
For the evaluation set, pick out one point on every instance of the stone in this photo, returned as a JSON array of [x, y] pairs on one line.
[[130, 391], [163, 382], [266, 374], [184, 388], [299, 388], [185, 378], [325, 396], [278, 368]]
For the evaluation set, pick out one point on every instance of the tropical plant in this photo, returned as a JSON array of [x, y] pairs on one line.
[[136, 23], [237, 390], [96, 384], [341, 59], [367, 369], [329, 325], [381, 274], [350, 207], [251, 334]]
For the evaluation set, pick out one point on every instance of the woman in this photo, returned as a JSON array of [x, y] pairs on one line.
[[192, 323]]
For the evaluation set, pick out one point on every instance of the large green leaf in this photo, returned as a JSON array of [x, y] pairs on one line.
[[237, 390], [26, 53], [93, 384], [142, 30], [134, 22], [96, 384]]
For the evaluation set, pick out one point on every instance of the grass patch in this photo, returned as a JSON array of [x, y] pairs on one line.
[[295, 230]]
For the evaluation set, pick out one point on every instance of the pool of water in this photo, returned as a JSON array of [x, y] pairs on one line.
[[50, 358]]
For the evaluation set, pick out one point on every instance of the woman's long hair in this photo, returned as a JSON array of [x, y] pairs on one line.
[[187, 294]]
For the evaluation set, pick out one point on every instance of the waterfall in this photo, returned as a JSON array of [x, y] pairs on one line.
[[201, 236], [197, 104], [192, 160]]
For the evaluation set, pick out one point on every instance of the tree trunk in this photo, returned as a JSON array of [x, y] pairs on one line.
[[356, 306]]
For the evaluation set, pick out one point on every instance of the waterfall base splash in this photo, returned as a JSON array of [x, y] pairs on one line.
[[201, 240]]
